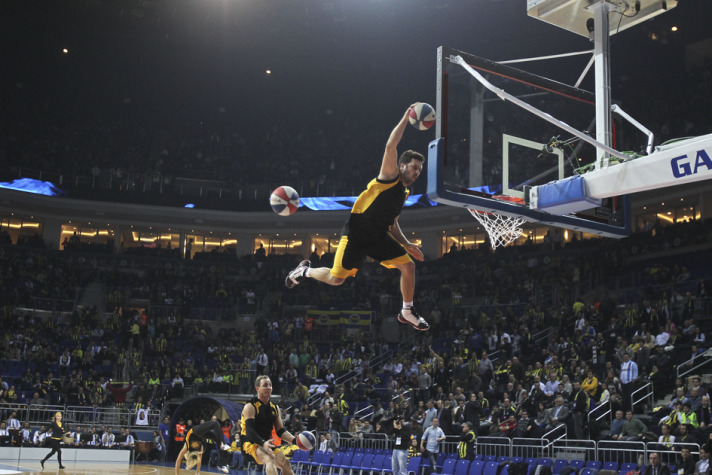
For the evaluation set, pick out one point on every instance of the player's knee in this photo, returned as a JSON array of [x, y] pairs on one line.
[[280, 459], [407, 268], [336, 280]]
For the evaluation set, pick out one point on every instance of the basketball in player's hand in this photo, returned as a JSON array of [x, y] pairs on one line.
[[422, 116]]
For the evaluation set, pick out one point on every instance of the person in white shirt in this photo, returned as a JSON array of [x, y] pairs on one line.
[[628, 377], [4, 434], [662, 338], [38, 439], [322, 443], [552, 386], [108, 440], [142, 417], [703, 466], [26, 434], [129, 442], [13, 427], [12, 422], [537, 384], [430, 441], [77, 436]]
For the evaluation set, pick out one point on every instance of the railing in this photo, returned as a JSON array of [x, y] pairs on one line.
[[7, 409], [80, 415], [599, 412], [573, 449], [603, 450], [683, 369], [364, 440], [554, 434], [364, 413], [620, 451], [449, 445], [109, 416], [497, 446], [669, 454], [643, 393], [529, 448], [40, 414]]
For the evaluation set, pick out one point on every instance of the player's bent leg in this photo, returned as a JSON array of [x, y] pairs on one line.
[[410, 315], [323, 274], [270, 467], [267, 459], [297, 275], [407, 280], [283, 463]]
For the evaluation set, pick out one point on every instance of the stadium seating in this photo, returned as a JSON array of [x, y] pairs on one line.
[[449, 466], [476, 468], [558, 465], [490, 468], [413, 466], [462, 467]]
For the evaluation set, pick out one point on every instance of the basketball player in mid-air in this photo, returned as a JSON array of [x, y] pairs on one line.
[[259, 417], [372, 229]]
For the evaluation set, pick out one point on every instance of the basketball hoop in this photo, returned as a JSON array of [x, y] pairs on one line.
[[502, 230]]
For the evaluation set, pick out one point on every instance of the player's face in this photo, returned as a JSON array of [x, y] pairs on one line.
[[265, 388], [410, 172]]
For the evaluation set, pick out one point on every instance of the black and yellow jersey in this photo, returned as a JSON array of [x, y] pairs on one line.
[[265, 415], [375, 210], [194, 441]]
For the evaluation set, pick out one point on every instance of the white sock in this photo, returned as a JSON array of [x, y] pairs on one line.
[[306, 272], [407, 305]]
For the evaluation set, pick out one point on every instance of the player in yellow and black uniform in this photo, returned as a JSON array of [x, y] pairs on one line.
[[259, 417], [372, 229], [192, 450]]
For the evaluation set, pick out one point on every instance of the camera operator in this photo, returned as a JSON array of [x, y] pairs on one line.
[[402, 438]]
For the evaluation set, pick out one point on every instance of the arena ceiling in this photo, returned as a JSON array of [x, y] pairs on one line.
[[356, 58]]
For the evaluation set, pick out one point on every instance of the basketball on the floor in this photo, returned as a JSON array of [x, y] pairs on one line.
[[306, 440], [422, 116], [284, 200]]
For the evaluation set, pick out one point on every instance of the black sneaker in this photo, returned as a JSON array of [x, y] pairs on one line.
[[297, 275], [413, 319]]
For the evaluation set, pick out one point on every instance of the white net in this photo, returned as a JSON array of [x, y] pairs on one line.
[[502, 230]]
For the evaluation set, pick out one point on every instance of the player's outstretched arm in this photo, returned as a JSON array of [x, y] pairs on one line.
[[180, 457], [283, 433], [412, 249], [389, 165]]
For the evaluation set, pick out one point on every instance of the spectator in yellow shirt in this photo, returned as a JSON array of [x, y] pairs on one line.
[[590, 384]]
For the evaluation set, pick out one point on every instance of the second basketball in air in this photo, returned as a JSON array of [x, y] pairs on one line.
[[422, 116]]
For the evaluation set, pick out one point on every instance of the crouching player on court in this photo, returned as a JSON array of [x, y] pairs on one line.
[[193, 448], [259, 416]]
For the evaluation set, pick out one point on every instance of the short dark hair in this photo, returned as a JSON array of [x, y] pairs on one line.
[[408, 156]]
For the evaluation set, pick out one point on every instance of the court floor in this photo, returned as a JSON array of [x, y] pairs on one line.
[[93, 468]]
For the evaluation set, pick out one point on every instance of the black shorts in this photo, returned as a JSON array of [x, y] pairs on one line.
[[349, 255]]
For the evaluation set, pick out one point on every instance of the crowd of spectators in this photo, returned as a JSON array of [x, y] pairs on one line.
[[70, 360]]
